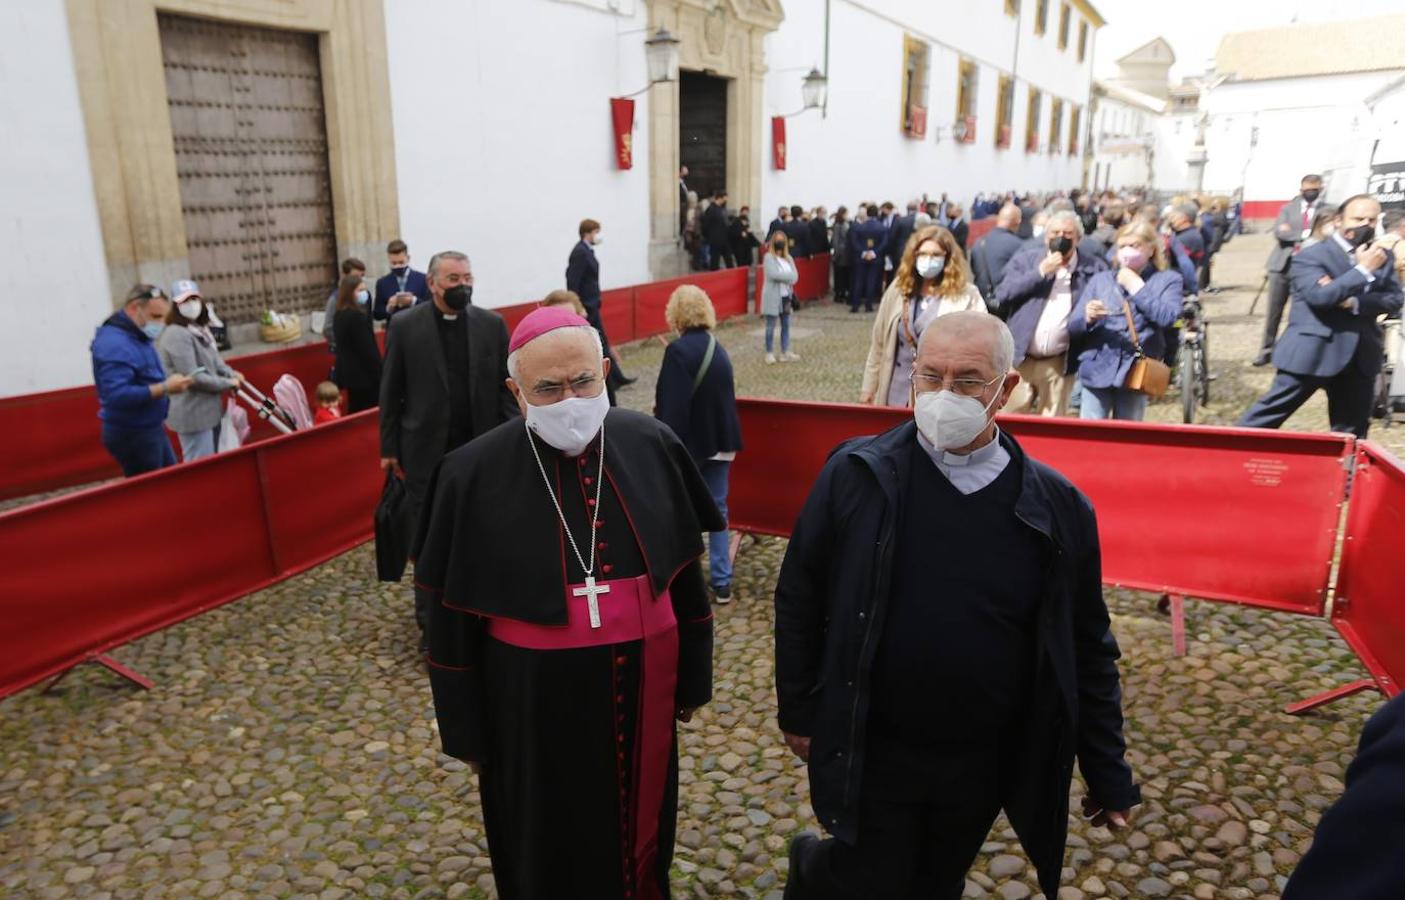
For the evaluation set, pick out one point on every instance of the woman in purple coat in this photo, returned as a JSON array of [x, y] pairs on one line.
[[1142, 287]]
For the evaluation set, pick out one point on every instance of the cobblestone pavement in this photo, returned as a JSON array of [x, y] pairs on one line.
[[289, 748]]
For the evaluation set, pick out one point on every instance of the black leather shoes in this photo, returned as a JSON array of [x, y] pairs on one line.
[[794, 882]]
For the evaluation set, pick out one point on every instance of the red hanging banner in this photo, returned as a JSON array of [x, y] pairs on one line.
[[778, 141], [622, 116]]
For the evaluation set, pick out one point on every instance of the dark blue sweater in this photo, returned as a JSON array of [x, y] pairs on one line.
[[706, 422], [954, 666], [125, 365]]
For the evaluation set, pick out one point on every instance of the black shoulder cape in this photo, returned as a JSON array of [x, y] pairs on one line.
[[489, 537]]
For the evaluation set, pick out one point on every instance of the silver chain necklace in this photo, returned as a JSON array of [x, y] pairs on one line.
[[591, 590]]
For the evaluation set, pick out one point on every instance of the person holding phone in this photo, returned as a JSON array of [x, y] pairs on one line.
[[187, 347], [402, 288]]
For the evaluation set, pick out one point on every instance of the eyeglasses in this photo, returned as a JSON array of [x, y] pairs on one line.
[[966, 387], [587, 386]]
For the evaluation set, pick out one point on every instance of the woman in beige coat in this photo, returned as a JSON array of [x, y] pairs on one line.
[[933, 279]]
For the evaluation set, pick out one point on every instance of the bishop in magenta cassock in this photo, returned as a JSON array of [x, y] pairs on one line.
[[570, 623]]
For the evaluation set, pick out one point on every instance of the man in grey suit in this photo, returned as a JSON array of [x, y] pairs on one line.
[[1292, 228], [444, 382], [1333, 342]]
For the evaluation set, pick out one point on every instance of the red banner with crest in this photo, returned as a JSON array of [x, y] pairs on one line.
[[622, 116], [778, 149]]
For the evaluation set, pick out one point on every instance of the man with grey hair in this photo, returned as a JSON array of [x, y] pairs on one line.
[[570, 625], [1037, 296], [963, 666], [444, 382]]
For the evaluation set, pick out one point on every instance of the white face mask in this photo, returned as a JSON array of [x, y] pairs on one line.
[[190, 308], [598, 239], [950, 420], [569, 425], [930, 266]]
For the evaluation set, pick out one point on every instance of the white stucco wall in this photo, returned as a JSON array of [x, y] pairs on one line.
[[1318, 124], [53, 277], [503, 142], [858, 152]]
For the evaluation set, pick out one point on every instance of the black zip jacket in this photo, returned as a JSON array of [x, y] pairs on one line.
[[831, 601]]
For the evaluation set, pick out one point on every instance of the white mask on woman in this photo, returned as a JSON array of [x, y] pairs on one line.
[[930, 266], [569, 425], [190, 308], [949, 420]]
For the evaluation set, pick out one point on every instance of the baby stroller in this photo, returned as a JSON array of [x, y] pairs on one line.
[[288, 413]]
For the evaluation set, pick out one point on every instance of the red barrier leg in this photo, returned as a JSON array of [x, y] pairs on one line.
[[1178, 623], [1336, 693], [112, 665]]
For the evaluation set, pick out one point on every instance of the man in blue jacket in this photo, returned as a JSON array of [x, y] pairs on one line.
[[1333, 342], [402, 288], [963, 665], [132, 386], [868, 240]]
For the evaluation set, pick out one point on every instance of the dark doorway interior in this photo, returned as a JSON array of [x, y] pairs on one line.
[[702, 131]]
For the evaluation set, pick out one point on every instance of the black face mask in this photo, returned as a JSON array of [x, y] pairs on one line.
[[1115, 223], [1360, 235], [1311, 196], [398, 271], [1061, 245], [458, 296]]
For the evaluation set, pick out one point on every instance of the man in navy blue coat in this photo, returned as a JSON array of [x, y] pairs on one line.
[[1333, 341], [868, 240], [1355, 853], [403, 287], [583, 277], [993, 252], [928, 682]]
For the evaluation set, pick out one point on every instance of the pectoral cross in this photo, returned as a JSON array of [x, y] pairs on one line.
[[590, 592]]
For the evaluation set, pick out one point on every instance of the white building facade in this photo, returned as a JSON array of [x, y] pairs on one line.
[[484, 127]]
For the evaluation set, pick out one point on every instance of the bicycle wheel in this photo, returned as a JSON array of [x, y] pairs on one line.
[[1204, 363], [1189, 382]]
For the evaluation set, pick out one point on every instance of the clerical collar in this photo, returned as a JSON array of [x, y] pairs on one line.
[[446, 317], [973, 471]]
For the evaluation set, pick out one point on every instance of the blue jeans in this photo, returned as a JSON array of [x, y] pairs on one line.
[[198, 444], [138, 450], [1117, 403], [719, 549], [771, 332]]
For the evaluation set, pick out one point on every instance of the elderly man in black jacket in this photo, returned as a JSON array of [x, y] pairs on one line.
[[943, 650]]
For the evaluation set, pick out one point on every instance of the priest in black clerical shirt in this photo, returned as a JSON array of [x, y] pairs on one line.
[[943, 650], [569, 622], [444, 382]]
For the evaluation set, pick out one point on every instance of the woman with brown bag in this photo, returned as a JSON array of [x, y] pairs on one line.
[[1120, 323]]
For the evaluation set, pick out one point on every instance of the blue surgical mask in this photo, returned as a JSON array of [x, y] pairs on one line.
[[363, 297], [153, 329]]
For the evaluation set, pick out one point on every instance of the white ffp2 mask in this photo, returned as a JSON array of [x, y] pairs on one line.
[[950, 420], [569, 425]]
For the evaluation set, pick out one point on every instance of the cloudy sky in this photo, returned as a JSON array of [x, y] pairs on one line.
[[1194, 27]]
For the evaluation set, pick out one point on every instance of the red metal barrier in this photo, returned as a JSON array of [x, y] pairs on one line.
[[1369, 607], [814, 277], [1245, 516], [81, 575]]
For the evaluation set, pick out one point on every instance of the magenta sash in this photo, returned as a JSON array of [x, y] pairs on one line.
[[629, 612]]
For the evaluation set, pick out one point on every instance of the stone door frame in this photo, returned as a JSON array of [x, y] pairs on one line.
[[122, 88], [725, 38]]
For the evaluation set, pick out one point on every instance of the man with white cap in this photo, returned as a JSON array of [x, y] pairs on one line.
[[569, 622]]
